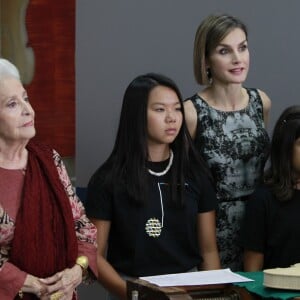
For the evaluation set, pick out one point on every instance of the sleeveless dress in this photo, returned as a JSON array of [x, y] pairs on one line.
[[235, 145]]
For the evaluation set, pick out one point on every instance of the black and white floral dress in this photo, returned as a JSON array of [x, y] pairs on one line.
[[235, 144]]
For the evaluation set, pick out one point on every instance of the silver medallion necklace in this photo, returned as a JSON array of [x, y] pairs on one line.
[[154, 226]]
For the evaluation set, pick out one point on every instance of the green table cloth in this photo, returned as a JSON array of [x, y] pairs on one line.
[[257, 287]]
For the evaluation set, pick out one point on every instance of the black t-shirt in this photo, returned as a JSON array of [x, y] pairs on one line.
[[272, 227], [130, 250]]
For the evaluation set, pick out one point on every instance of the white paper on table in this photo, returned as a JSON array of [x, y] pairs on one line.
[[197, 278]]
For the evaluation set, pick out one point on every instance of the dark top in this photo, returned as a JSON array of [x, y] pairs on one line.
[[131, 251], [272, 228]]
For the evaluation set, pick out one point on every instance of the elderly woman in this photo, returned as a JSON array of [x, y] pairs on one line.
[[47, 244]]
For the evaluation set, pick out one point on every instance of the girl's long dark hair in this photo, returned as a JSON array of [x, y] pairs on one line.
[[127, 162], [280, 176]]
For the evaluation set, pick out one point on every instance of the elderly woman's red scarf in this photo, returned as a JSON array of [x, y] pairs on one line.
[[44, 239]]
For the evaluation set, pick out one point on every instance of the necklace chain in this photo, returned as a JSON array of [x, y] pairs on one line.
[[166, 169], [154, 226]]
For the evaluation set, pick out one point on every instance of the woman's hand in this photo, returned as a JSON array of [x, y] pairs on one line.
[[33, 285], [62, 284]]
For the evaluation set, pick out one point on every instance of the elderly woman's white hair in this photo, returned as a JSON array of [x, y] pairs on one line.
[[7, 69]]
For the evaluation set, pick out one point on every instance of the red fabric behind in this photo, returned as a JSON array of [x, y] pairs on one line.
[[51, 33]]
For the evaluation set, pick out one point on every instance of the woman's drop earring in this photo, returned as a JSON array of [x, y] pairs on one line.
[[208, 74]]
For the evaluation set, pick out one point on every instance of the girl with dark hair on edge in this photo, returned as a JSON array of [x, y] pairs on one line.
[[271, 230], [152, 200]]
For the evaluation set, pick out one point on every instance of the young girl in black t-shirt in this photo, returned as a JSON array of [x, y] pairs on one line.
[[271, 230], [152, 201]]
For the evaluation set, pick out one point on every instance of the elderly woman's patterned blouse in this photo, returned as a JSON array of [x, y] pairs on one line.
[[12, 278]]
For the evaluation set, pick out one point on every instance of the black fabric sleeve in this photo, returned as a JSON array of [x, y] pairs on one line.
[[254, 227], [98, 204], [208, 200], [205, 193]]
